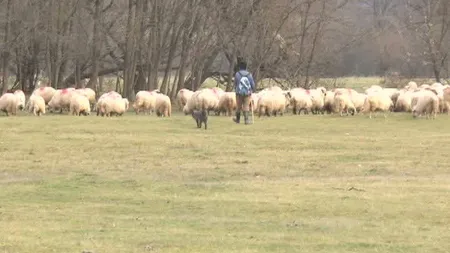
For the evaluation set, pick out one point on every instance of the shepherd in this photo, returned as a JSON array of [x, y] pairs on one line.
[[244, 86]]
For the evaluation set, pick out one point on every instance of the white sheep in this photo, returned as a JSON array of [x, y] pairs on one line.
[[227, 103], [36, 105], [100, 100], [411, 86], [46, 93], [204, 99], [373, 88], [183, 96], [163, 105], [272, 102], [377, 101], [113, 106], [300, 101], [79, 104], [20, 99], [8, 104], [317, 98], [427, 103], [343, 103], [61, 99], [89, 93], [145, 101]]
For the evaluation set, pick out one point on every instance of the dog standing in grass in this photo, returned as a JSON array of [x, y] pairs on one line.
[[200, 117]]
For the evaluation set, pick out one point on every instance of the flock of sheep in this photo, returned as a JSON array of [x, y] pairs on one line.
[[424, 100]]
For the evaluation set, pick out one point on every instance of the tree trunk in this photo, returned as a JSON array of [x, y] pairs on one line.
[[6, 52], [93, 81]]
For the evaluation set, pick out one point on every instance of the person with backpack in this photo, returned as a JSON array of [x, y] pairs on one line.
[[244, 86]]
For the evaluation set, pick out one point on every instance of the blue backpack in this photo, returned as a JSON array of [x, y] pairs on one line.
[[244, 87]]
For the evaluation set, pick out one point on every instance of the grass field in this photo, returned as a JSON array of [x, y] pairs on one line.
[[285, 184]]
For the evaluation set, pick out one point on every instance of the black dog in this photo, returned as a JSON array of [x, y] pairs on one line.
[[200, 117]]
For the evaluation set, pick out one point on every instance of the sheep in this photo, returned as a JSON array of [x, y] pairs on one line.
[[424, 86], [275, 88], [227, 103], [358, 100], [20, 99], [342, 102], [393, 93], [80, 104], [61, 99], [353, 94], [427, 103], [411, 86], [113, 105], [183, 96], [437, 86], [204, 99], [403, 103], [45, 92], [272, 102], [163, 105], [89, 93], [300, 101], [446, 95], [328, 104], [217, 92], [373, 88], [36, 105], [377, 101], [146, 101], [317, 98], [8, 104], [111, 94]]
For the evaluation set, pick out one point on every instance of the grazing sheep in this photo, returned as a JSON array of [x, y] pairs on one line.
[[45, 92], [8, 104], [163, 105], [403, 103], [446, 96], [272, 102], [411, 86], [424, 86], [373, 88], [300, 101], [111, 94], [275, 88], [113, 106], [20, 99], [89, 93], [183, 96], [427, 103], [392, 93], [377, 101], [328, 104], [204, 99], [80, 104], [36, 105], [358, 100], [218, 92], [227, 103], [317, 98], [61, 99], [342, 102], [145, 101]]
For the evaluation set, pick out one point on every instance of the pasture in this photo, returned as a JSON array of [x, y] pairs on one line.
[[304, 183]]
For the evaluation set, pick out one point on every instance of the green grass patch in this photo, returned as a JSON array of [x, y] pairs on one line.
[[285, 184]]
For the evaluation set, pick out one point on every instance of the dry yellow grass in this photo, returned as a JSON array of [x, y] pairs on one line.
[[286, 184]]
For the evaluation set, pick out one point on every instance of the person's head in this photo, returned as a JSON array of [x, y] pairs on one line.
[[242, 65]]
